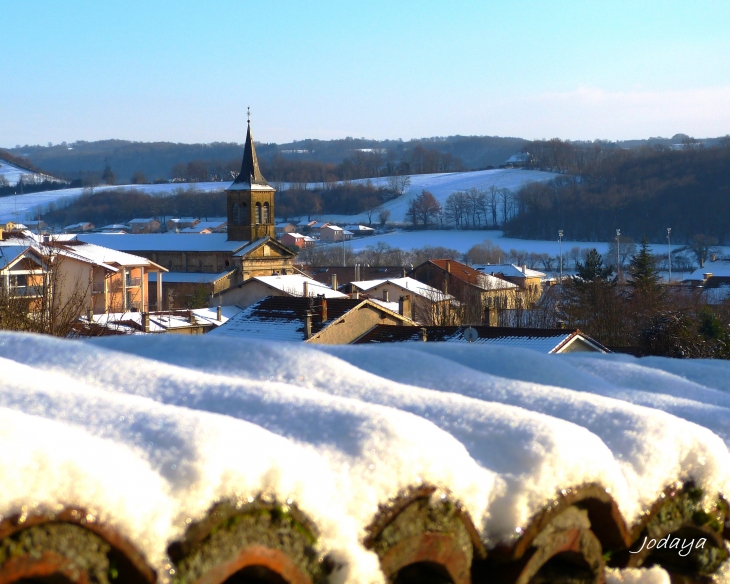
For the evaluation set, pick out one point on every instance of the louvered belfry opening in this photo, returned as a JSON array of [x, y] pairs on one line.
[[250, 204]]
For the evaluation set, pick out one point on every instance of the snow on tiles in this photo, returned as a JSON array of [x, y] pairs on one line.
[[496, 453]]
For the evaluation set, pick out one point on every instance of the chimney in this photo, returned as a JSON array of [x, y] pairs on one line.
[[524, 269], [424, 334], [357, 272], [385, 296], [219, 313], [561, 324], [402, 272], [191, 317], [404, 306], [334, 281], [707, 276], [306, 289], [308, 325], [491, 317], [90, 314], [323, 306], [356, 296], [146, 322], [702, 263], [448, 266]]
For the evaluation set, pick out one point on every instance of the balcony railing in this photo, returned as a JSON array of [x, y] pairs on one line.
[[25, 291], [131, 282]]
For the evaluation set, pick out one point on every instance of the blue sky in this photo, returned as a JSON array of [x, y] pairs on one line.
[[185, 71]]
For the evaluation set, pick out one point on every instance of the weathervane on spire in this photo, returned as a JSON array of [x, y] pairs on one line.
[[248, 113]]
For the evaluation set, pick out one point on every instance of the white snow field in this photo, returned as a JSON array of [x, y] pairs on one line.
[[18, 208], [12, 174], [149, 431], [441, 185]]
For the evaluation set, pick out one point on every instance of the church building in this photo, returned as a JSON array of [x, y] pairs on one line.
[[216, 261]]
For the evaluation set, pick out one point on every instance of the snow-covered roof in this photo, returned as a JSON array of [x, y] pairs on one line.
[[293, 284], [161, 322], [77, 225], [332, 227], [10, 253], [519, 157], [320, 224], [203, 225], [509, 270], [183, 219], [358, 228], [142, 220], [718, 269], [164, 242], [409, 284], [106, 255], [115, 226], [191, 277]]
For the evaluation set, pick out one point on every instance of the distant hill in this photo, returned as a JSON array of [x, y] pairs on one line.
[[155, 160]]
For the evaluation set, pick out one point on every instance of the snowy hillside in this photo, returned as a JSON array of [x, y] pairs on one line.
[[12, 174], [443, 184], [371, 453], [20, 207]]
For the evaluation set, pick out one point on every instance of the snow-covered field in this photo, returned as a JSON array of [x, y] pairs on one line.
[[441, 185], [463, 240], [342, 430], [21, 207], [12, 174]]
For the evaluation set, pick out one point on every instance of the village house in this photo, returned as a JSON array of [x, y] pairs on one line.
[[180, 223], [298, 240], [334, 234], [254, 289], [97, 279], [281, 228], [547, 341], [145, 225], [179, 322], [428, 305], [79, 227], [529, 280], [344, 275], [206, 227], [334, 321], [476, 292], [360, 230], [315, 228]]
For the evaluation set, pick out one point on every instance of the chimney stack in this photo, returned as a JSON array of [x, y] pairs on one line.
[[90, 314], [323, 307], [191, 317], [404, 306], [424, 334], [334, 281], [219, 313], [146, 322], [385, 296], [448, 266], [306, 289], [308, 325], [524, 269]]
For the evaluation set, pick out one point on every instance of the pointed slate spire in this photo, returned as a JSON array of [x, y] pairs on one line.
[[250, 172]]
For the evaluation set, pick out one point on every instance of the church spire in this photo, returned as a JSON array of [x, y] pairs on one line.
[[250, 172]]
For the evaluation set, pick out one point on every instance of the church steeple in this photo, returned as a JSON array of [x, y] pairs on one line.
[[250, 172], [250, 198]]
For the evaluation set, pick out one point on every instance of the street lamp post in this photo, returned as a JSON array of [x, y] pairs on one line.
[[560, 239], [618, 253], [669, 252]]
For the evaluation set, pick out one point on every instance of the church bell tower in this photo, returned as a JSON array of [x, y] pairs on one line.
[[250, 199]]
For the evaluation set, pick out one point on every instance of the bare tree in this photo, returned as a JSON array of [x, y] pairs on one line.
[[399, 183], [384, 215]]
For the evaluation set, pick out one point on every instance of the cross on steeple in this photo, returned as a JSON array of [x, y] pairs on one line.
[[248, 113]]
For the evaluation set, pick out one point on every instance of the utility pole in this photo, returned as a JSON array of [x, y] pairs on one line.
[[618, 253], [669, 252], [560, 239]]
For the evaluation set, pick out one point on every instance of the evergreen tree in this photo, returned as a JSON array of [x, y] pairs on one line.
[[593, 268], [643, 274]]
